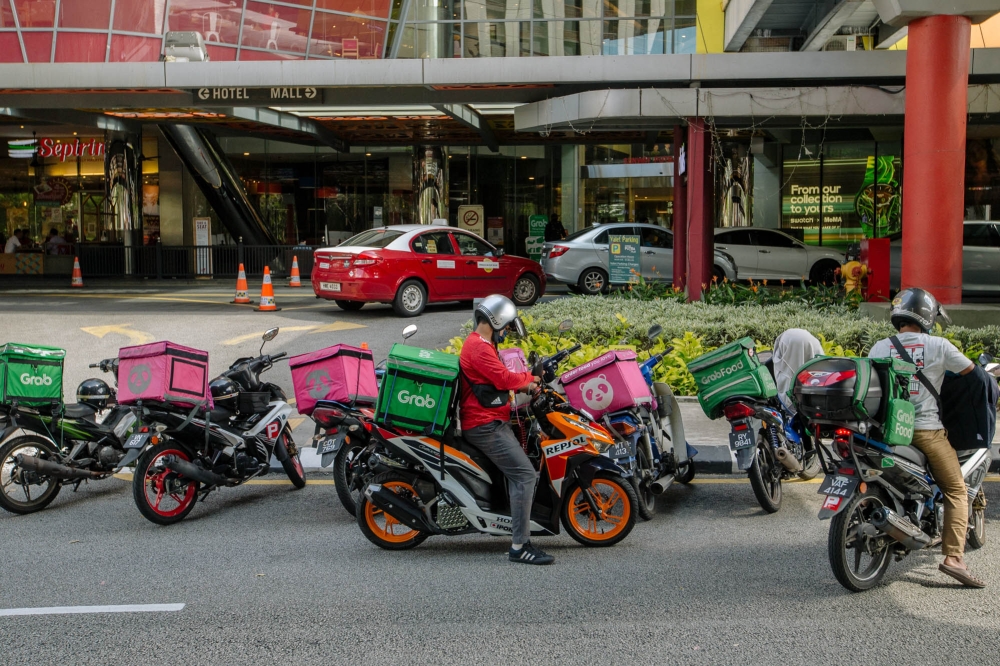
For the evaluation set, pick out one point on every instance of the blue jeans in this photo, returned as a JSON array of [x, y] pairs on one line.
[[498, 442]]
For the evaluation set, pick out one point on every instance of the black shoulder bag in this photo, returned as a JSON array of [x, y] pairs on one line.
[[921, 377]]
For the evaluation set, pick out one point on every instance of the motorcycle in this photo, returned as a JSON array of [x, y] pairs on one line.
[[417, 486], [59, 445], [650, 443], [882, 502], [770, 444], [185, 453]]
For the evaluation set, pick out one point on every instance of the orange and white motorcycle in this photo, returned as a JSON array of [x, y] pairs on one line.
[[418, 486]]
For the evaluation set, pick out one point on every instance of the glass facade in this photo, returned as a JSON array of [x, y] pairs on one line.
[[133, 30]]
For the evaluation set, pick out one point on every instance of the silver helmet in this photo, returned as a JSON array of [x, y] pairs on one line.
[[501, 313]]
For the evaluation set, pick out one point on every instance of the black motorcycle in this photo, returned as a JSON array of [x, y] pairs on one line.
[[190, 452], [46, 447]]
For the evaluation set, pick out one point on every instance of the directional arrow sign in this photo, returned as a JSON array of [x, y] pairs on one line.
[[336, 326], [256, 336], [135, 337]]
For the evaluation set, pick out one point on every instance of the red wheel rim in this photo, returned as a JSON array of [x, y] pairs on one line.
[[294, 454], [163, 492]]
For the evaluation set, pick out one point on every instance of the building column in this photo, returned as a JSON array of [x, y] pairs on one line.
[[937, 82], [700, 208], [680, 210]]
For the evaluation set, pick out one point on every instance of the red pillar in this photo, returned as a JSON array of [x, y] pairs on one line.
[[700, 209], [680, 211], [937, 81]]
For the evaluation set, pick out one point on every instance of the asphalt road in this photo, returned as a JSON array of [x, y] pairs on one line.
[[269, 575]]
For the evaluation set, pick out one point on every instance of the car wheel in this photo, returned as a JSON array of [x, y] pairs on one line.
[[350, 306], [592, 281], [526, 290], [411, 299], [718, 273], [824, 272]]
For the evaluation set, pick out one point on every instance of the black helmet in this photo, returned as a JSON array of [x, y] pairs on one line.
[[224, 393], [916, 306], [93, 392]]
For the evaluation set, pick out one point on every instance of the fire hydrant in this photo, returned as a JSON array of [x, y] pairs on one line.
[[853, 272]]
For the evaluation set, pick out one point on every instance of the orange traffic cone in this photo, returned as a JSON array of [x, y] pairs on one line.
[[364, 345], [296, 280], [267, 294], [241, 289], [77, 280]]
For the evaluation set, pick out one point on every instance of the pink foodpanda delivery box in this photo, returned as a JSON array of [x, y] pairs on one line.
[[163, 372], [514, 359], [606, 384], [342, 373]]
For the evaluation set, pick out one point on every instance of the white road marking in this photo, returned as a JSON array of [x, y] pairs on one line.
[[74, 610]]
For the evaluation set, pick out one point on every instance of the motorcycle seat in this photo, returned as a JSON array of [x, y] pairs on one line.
[[219, 415], [78, 411], [911, 454]]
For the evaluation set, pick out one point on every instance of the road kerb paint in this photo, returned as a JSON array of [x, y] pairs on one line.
[[84, 610], [127, 476]]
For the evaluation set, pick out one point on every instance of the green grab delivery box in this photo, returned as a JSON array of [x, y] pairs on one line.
[[31, 374], [417, 390], [730, 371]]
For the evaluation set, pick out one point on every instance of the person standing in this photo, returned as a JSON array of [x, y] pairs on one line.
[[554, 230]]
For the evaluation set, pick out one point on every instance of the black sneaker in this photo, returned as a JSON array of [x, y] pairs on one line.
[[530, 555]]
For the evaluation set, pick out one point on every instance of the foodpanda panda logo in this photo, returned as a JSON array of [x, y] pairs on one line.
[[597, 393], [40, 380]]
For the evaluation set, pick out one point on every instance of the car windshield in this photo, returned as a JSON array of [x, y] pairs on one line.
[[577, 234], [372, 238]]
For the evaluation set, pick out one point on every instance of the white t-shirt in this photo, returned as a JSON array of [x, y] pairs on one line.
[[12, 245], [934, 356]]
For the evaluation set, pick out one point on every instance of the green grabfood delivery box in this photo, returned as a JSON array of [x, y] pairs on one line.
[[31, 374], [418, 389], [730, 371]]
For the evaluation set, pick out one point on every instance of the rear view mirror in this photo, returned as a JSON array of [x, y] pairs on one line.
[[409, 331], [985, 359], [565, 325], [270, 334], [655, 331]]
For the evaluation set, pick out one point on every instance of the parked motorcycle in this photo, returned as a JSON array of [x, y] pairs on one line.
[[185, 453], [47, 447], [881, 497], [420, 486]]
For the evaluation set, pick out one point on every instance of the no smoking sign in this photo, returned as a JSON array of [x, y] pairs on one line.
[[470, 218]]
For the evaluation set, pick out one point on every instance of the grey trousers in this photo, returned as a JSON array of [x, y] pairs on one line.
[[500, 445]]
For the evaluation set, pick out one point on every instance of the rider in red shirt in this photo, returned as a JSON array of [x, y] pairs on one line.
[[485, 416]]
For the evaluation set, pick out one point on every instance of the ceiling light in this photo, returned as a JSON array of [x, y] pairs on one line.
[[368, 154], [246, 154], [531, 177], [524, 157], [74, 133], [22, 126]]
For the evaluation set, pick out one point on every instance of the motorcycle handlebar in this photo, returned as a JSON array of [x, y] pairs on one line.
[[279, 355]]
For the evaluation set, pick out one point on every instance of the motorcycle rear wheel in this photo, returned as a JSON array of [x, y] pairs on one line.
[[976, 538], [49, 487], [342, 480], [614, 496], [641, 481], [165, 485], [382, 529], [292, 460], [811, 466], [845, 535], [765, 477]]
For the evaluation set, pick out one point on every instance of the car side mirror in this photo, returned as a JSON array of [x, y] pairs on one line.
[[499, 252]]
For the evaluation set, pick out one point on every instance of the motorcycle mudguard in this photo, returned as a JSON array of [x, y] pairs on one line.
[[586, 470], [744, 458], [677, 437], [7, 432], [130, 457]]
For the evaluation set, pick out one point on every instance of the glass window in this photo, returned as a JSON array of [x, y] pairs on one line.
[[980, 235], [602, 238], [10, 49], [660, 238], [470, 246], [95, 14], [685, 35], [275, 27], [373, 238], [139, 16], [577, 234], [35, 14], [437, 242], [38, 46], [216, 20], [81, 47], [355, 38], [125, 48], [740, 237], [771, 239], [379, 8], [7, 17]]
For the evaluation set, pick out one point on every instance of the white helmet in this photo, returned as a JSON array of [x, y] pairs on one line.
[[501, 313]]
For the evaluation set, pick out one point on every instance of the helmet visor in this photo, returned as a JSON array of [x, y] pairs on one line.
[[944, 315], [517, 328]]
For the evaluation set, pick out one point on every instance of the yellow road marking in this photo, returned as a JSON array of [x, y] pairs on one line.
[[126, 476], [256, 336], [135, 337], [337, 326], [296, 422], [309, 307]]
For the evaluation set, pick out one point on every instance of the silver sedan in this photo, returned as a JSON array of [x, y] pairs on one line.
[[581, 259], [980, 258]]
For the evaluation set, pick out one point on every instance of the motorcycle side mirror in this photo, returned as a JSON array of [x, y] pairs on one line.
[[654, 332], [409, 331], [985, 359], [565, 325], [270, 334]]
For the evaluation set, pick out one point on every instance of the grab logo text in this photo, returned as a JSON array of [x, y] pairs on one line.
[[723, 372], [40, 380], [408, 398]]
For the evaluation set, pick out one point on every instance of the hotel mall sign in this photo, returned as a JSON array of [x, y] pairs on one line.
[[283, 95]]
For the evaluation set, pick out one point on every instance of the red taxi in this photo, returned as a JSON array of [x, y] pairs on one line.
[[411, 265]]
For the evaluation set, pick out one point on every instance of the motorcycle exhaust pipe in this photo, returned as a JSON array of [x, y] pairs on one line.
[[661, 484], [399, 508], [192, 471], [900, 529], [788, 460], [49, 468]]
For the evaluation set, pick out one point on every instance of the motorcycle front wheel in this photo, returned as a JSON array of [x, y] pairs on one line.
[[977, 523], [616, 499], [765, 477], [292, 460], [22, 491], [163, 496], [858, 559]]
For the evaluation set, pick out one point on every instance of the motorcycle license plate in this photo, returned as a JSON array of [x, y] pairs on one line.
[[329, 286], [838, 485], [329, 445], [740, 440], [137, 441], [620, 450]]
